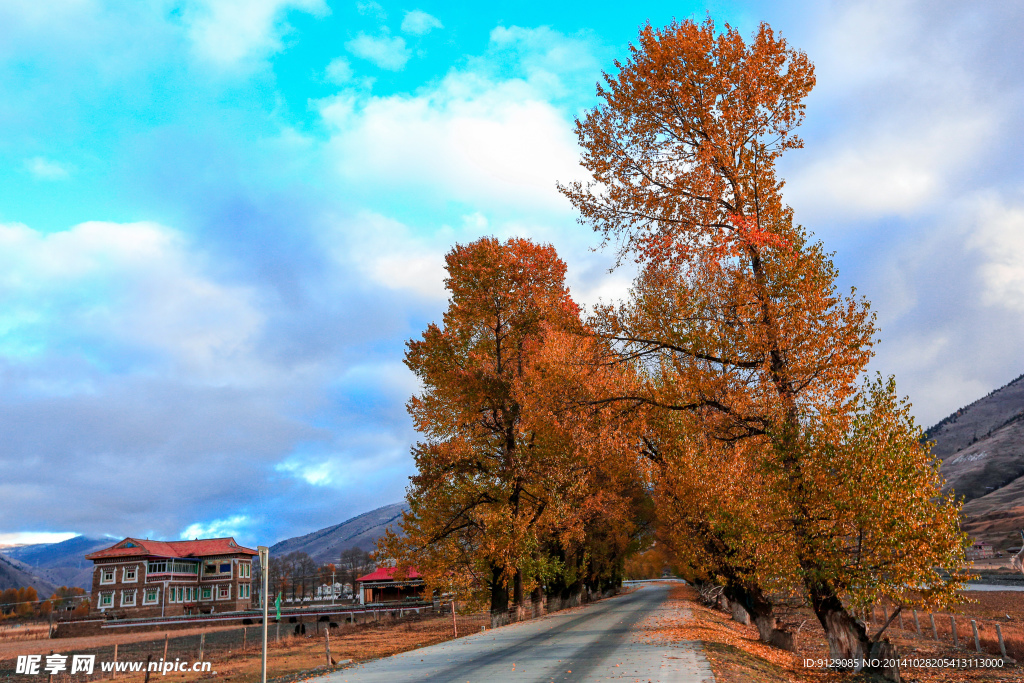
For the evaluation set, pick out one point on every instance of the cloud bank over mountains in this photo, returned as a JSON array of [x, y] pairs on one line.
[[222, 220]]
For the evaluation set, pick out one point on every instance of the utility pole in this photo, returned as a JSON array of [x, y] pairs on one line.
[[334, 593], [264, 552]]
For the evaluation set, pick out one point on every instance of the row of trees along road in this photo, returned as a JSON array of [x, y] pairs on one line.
[[724, 400]]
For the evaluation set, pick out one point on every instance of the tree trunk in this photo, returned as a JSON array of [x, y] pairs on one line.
[[499, 598], [517, 592], [762, 613], [538, 601], [847, 637]]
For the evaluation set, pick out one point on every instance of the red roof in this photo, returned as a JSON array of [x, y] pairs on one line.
[[198, 548], [388, 574]]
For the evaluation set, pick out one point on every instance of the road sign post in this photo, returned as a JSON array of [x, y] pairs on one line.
[[264, 552]]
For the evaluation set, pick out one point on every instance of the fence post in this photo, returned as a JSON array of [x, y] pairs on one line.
[[977, 641], [952, 623], [49, 677], [113, 669], [202, 642], [327, 642], [166, 638], [917, 623], [935, 631], [277, 638], [454, 623], [245, 636], [1002, 645], [149, 658]]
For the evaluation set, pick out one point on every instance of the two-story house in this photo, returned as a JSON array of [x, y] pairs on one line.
[[142, 578]]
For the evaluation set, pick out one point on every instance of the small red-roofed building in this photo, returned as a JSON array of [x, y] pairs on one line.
[[380, 585], [138, 578]]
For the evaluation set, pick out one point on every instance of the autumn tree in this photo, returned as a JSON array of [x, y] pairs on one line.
[[716, 516], [503, 492], [8, 600], [734, 316]]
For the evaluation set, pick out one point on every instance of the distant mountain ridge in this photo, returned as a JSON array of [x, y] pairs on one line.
[[362, 531], [15, 575], [982, 451], [49, 565], [57, 564]]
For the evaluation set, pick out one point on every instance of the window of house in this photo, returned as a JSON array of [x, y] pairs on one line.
[[225, 592], [152, 596], [244, 569], [225, 568], [107, 575], [158, 567], [243, 590], [130, 574], [210, 568], [207, 593], [107, 599], [128, 598]]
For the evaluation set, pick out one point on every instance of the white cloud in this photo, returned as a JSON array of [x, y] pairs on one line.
[[896, 171], [372, 9], [228, 32], [138, 285], [338, 71], [389, 254], [999, 236], [473, 138], [33, 537], [217, 528], [387, 53], [899, 116], [419, 23], [46, 169]]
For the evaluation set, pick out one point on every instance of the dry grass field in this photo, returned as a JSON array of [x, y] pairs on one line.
[[40, 644], [292, 658], [18, 632]]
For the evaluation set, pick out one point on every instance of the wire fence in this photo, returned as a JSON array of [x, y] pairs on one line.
[[982, 636], [193, 647]]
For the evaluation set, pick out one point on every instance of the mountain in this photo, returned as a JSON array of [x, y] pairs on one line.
[[327, 544], [982, 452], [60, 564], [14, 575]]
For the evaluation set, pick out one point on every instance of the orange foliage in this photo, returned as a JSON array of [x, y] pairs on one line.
[[771, 462], [509, 467]]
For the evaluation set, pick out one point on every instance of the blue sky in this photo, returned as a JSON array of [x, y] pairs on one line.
[[221, 219]]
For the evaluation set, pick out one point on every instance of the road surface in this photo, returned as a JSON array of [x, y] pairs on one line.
[[599, 642]]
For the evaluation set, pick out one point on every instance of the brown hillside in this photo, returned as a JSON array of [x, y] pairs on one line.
[[982, 452]]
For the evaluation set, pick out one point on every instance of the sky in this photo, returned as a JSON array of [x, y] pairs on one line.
[[220, 221]]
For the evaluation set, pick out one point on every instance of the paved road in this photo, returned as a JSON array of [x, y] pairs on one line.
[[594, 643]]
